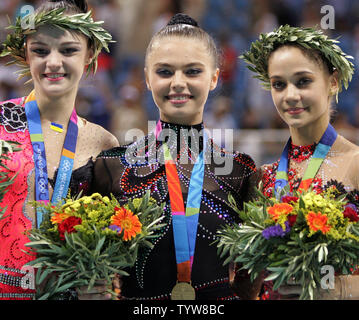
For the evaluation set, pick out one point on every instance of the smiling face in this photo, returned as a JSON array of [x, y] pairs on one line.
[[180, 73], [301, 88], [57, 60]]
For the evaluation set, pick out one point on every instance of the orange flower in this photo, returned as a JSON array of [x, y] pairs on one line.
[[126, 220], [279, 209], [58, 217], [318, 221]]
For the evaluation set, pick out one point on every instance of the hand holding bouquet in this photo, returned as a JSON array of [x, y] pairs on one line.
[[89, 239], [293, 236]]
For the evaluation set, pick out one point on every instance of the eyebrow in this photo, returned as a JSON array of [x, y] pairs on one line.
[[299, 73], [62, 44], [164, 64]]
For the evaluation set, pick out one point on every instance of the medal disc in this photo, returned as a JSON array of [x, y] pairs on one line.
[[183, 291]]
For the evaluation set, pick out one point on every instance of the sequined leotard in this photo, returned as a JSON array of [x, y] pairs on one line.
[[155, 273]]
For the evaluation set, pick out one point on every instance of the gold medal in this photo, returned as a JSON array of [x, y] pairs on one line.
[[183, 291]]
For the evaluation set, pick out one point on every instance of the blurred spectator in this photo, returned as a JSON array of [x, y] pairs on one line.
[[311, 15], [283, 10], [166, 11], [263, 18], [260, 106], [229, 61], [219, 116], [194, 8], [128, 114], [8, 85], [250, 119], [109, 12], [128, 111]]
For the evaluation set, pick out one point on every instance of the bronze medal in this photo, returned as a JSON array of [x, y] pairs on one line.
[[183, 291]]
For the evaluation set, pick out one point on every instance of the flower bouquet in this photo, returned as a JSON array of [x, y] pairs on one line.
[[89, 239], [293, 236]]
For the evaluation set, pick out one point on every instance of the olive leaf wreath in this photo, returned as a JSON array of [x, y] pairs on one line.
[[14, 44], [309, 38]]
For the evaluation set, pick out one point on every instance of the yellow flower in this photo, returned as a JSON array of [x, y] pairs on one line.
[[318, 200], [106, 199], [308, 199], [68, 210], [86, 200], [329, 208], [96, 195], [75, 205], [93, 214]]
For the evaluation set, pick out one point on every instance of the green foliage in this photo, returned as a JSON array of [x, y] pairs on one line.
[[301, 252], [93, 252]]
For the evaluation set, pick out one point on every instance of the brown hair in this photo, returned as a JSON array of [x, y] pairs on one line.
[[182, 25], [70, 6], [310, 53]]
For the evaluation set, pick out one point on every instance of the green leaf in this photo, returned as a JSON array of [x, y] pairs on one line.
[[43, 275], [272, 276]]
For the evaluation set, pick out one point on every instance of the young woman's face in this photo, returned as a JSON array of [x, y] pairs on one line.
[[57, 60], [300, 87], [180, 73]]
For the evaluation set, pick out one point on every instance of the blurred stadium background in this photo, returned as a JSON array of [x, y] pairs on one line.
[[116, 97]]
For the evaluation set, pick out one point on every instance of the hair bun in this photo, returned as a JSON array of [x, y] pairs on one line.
[[180, 18], [81, 4]]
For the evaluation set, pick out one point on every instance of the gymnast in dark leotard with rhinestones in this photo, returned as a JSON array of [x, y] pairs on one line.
[[181, 68]]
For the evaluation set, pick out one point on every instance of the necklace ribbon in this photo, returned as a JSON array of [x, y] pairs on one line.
[[184, 221], [314, 164], [38, 146]]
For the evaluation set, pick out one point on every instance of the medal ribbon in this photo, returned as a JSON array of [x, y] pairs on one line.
[[314, 164], [184, 221], [38, 146]]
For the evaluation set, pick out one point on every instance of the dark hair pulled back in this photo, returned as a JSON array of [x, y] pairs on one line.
[[182, 25]]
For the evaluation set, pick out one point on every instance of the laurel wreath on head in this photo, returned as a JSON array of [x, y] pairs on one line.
[[14, 45], [309, 38]]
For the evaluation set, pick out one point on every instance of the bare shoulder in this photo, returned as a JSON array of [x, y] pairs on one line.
[[350, 153], [347, 147], [104, 138]]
